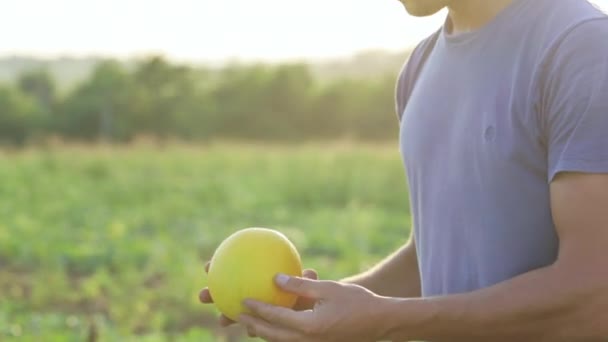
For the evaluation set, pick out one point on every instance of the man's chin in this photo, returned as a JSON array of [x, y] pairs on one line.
[[416, 9]]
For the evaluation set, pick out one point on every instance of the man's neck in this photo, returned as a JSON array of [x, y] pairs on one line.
[[470, 15]]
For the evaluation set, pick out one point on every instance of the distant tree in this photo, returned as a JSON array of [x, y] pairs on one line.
[[376, 118], [101, 106], [360, 109], [239, 100], [287, 102], [166, 98], [152, 96], [335, 108], [18, 116], [39, 84]]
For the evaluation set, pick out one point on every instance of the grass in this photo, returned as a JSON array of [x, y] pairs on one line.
[[109, 243]]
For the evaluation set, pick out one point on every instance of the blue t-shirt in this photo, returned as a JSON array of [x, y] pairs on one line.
[[487, 119]]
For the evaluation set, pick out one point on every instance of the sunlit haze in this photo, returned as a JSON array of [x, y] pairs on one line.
[[208, 29]]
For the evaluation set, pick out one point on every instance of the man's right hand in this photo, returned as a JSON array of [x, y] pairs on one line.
[[302, 303]]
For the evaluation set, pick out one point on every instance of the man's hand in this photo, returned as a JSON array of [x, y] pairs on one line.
[[343, 312], [302, 303]]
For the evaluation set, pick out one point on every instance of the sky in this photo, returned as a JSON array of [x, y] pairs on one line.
[[209, 30]]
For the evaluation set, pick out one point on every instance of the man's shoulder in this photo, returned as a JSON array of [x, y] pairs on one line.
[[561, 17], [563, 10], [420, 51], [572, 32], [410, 70]]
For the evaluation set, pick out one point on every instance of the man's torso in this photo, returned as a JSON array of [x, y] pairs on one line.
[[475, 151]]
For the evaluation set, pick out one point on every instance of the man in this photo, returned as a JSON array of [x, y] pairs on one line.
[[504, 134]]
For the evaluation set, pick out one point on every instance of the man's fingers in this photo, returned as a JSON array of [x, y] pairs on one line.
[[267, 331], [310, 274], [304, 287], [304, 303], [204, 296], [251, 332], [277, 315], [225, 321]]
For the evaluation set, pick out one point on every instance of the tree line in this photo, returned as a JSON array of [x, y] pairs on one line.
[[165, 100]]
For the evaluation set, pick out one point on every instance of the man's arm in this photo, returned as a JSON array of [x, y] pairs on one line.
[[567, 301], [396, 276]]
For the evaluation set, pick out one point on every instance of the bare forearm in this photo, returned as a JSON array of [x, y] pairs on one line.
[[549, 304], [396, 276]]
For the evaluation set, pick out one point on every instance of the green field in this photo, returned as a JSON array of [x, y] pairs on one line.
[[111, 242]]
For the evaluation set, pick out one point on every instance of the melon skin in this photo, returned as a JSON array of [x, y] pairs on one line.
[[244, 266]]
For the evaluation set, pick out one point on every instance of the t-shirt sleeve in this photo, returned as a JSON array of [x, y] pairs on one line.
[[401, 89], [410, 70], [406, 78], [574, 101]]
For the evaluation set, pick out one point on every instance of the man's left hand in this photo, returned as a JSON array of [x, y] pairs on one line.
[[343, 312]]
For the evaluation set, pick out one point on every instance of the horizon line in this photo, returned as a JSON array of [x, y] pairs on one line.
[[198, 60]]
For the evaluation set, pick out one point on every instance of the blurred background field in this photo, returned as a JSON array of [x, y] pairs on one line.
[[118, 180], [118, 183], [111, 241], [119, 177]]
